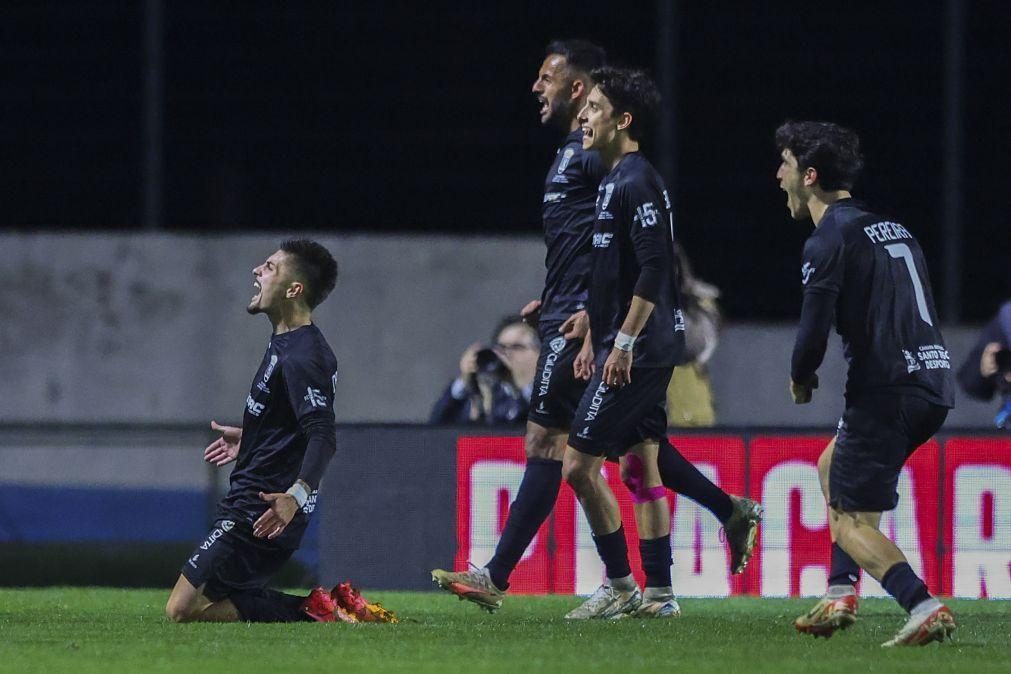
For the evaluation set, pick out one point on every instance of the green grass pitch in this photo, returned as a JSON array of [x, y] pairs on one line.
[[109, 630]]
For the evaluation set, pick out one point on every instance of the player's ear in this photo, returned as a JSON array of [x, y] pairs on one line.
[[294, 290], [624, 121], [578, 89], [810, 176]]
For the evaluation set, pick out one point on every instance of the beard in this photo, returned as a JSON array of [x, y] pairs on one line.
[[560, 113]]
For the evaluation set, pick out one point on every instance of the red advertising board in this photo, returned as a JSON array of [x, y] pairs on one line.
[[977, 517], [960, 545]]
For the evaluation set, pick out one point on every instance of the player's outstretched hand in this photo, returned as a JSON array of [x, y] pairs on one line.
[[281, 511], [582, 366], [802, 392], [618, 368], [575, 326], [223, 450]]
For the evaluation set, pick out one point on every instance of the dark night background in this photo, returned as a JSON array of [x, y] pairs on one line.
[[417, 117]]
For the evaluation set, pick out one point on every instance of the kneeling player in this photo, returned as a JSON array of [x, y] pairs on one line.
[[870, 276], [285, 443]]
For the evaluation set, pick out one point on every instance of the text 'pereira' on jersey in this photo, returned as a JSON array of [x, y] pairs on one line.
[[873, 274]]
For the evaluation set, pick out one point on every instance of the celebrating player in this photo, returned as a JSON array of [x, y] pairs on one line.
[[637, 331], [568, 210], [869, 275], [285, 443]]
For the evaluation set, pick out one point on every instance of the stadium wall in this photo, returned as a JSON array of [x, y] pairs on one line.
[[125, 506], [152, 329]]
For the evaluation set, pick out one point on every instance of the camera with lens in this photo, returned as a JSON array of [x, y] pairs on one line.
[[490, 365]]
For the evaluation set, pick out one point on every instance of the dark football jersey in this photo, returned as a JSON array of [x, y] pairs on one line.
[[295, 380], [633, 254], [871, 274], [570, 190]]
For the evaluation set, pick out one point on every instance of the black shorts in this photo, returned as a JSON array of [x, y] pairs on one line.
[[877, 434], [611, 420], [230, 559], [556, 390]]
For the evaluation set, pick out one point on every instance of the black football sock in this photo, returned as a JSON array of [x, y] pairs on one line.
[[844, 570], [536, 497], [907, 588], [656, 560], [269, 606], [678, 473], [613, 551]]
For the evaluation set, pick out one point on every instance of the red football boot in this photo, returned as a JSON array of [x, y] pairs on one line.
[[354, 604], [319, 606]]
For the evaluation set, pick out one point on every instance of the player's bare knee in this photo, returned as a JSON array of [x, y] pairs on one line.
[[577, 476], [541, 443]]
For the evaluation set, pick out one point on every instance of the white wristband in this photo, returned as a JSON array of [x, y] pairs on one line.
[[299, 493], [624, 342]]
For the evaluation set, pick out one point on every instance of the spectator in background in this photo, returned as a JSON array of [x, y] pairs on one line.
[[690, 393], [987, 370], [495, 383]]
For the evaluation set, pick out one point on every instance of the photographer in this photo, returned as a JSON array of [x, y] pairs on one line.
[[494, 383], [987, 370]]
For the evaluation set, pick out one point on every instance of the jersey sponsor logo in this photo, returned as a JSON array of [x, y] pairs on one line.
[[193, 560], [255, 408], [262, 384], [646, 215], [310, 503], [566, 158], [584, 434], [881, 232], [219, 531], [560, 178], [552, 197], [314, 397], [806, 272], [911, 364], [933, 357], [556, 344], [602, 239], [595, 403]]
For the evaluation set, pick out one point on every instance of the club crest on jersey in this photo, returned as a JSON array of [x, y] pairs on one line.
[[566, 158], [911, 364], [608, 192], [262, 384], [557, 344], [806, 272]]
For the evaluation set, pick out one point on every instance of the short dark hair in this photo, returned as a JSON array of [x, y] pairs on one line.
[[630, 91], [830, 149], [316, 267], [579, 54]]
